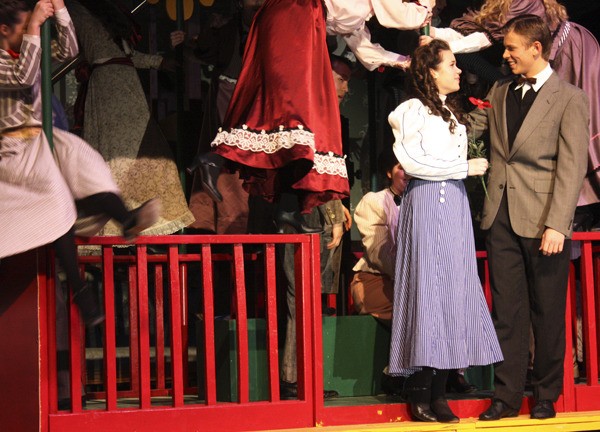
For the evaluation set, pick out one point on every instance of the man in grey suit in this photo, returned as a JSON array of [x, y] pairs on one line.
[[539, 136]]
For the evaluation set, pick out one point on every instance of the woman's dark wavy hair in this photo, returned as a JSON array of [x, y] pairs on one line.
[[10, 10], [115, 18], [423, 87]]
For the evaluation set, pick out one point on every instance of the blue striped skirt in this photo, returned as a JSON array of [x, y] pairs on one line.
[[440, 318]]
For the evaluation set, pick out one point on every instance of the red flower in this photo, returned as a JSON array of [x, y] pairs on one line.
[[480, 103]]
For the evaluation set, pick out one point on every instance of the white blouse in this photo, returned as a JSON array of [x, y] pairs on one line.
[[424, 145], [348, 18]]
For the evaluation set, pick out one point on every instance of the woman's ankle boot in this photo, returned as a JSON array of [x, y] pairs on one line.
[[418, 387], [439, 404]]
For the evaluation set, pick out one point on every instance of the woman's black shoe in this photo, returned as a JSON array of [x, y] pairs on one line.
[[443, 412], [209, 168], [421, 411], [294, 220]]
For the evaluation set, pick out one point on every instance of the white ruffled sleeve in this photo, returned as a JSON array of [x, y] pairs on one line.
[[460, 44], [369, 54], [423, 146], [395, 14]]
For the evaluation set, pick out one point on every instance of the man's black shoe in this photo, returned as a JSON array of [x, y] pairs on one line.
[[543, 409], [498, 410]]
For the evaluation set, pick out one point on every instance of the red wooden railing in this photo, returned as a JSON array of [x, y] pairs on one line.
[[155, 393]]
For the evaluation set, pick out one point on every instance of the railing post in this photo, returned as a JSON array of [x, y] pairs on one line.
[[24, 355]]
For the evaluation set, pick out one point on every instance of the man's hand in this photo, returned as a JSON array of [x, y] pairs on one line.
[[552, 242], [336, 234], [348, 221]]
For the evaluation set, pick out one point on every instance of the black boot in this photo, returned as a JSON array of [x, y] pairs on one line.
[[89, 305], [439, 404], [141, 218], [418, 387], [209, 167]]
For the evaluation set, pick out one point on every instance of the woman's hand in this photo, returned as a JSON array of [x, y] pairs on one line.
[[43, 10], [477, 166], [424, 40], [404, 65]]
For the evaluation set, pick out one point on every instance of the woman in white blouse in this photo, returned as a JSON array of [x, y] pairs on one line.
[[440, 318], [281, 129]]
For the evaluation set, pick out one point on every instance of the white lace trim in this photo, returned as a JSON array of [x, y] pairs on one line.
[[264, 142], [330, 164], [271, 142]]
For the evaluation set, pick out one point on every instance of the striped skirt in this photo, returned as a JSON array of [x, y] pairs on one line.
[[440, 317], [38, 189]]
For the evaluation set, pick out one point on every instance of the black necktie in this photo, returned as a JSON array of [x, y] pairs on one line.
[[524, 80], [397, 198]]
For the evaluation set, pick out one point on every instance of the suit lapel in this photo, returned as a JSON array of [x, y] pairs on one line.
[[538, 111], [500, 115]]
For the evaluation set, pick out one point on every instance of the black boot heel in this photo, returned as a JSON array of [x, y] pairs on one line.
[[208, 166]]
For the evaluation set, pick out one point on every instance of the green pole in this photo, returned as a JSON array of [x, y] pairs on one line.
[[47, 84], [180, 79]]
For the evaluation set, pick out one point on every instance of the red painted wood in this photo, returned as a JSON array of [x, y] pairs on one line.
[[176, 325], [274, 414], [19, 338], [76, 341], [110, 343], [271, 304], [134, 352], [50, 283], [159, 346], [143, 327], [317, 334], [589, 313], [223, 417], [242, 326], [209, 328]]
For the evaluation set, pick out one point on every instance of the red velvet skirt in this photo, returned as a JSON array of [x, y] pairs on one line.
[[282, 127]]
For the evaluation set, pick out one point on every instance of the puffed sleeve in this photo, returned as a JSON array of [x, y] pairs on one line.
[[403, 16], [369, 54], [460, 44], [411, 123]]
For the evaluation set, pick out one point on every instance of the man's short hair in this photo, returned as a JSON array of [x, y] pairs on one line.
[[533, 28]]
